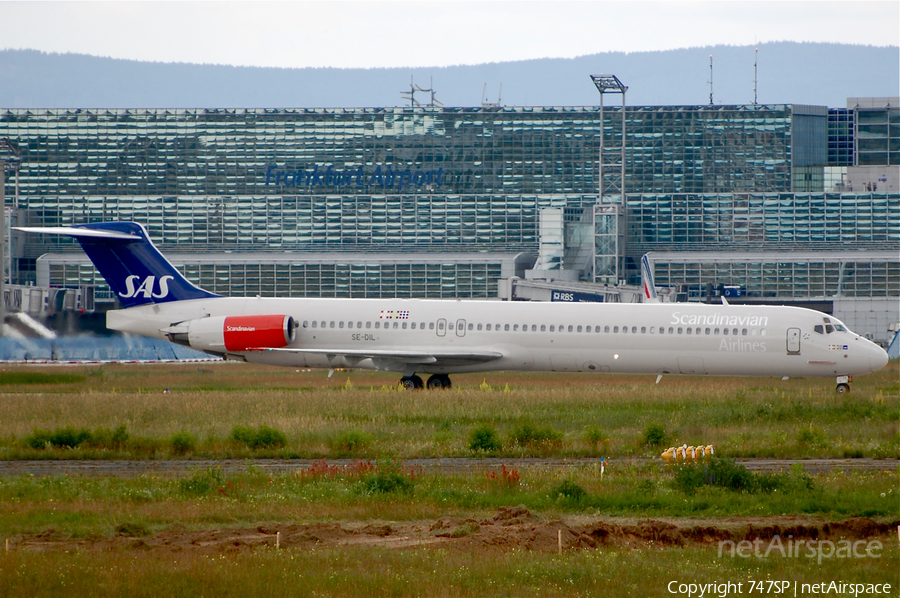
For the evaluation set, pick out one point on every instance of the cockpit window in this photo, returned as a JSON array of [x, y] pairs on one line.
[[819, 328], [829, 329], [840, 327]]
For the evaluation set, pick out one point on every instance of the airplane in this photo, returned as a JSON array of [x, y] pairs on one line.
[[442, 337]]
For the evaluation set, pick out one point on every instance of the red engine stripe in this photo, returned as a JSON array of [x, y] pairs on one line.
[[254, 332]]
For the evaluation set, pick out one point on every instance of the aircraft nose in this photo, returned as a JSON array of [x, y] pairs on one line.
[[878, 358]]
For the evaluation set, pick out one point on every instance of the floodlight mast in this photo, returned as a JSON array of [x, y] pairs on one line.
[[609, 184], [610, 211]]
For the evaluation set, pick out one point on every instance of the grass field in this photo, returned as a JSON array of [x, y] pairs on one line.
[[360, 414], [380, 528]]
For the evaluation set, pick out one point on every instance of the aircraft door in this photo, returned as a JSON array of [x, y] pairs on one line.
[[460, 328], [793, 341], [441, 327]]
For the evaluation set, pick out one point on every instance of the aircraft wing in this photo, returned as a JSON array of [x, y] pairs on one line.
[[438, 358]]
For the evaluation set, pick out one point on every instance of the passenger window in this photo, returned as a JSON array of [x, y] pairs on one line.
[[734, 331], [615, 328], [744, 332], [653, 330], [762, 332], [570, 328], [323, 325], [707, 332], [552, 328], [471, 326], [543, 327], [404, 326], [450, 326], [690, 330], [643, 330], [377, 324], [395, 325], [412, 325], [606, 329], [487, 327], [331, 324], [662, 330], [515, 327], [314, 324], [634, 330], [506, 327], [368, 324], [534, 327], [680, 331], [359, 324], [578, 329], [624, 329], [305, 323], [725, 331], [479, 327], [430, 325]]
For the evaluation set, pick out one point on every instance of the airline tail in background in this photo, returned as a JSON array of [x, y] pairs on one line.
[[129, 261], [650, 295]]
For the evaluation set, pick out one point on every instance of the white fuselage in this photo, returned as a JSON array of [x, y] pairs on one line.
[[661, 338]]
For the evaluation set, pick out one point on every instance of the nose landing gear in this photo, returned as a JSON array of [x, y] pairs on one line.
[[843, 384]]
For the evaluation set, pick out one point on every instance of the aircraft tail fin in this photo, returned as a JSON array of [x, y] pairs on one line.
[[129, 261], [650, 295]]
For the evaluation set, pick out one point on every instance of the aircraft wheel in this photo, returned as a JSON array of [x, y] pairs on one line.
[[842, 388], [411, 382], [439, 381]]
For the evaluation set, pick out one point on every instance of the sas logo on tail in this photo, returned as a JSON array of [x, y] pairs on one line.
[[146, 288]]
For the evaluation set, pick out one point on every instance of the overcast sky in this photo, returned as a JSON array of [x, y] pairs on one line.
[[378, 33]]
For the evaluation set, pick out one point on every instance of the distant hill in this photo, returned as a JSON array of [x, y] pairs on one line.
[[797, 73]]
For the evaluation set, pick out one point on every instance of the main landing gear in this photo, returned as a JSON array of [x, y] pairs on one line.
[[436, 381]]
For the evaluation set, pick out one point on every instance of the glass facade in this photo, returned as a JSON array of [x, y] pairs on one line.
[[437, 181], [764, 221], [359, 278], [786, 276]]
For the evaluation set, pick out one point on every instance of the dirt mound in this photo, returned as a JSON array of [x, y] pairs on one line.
[[508, 529]]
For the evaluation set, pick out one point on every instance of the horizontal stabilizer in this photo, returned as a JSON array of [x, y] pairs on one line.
[[77, 232]]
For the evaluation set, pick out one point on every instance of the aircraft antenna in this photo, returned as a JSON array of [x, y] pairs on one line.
[[710, 80]]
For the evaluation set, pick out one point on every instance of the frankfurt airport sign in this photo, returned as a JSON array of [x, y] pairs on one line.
[[383, 176]]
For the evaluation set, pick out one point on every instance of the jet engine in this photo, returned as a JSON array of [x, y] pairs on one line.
[[231, 334]]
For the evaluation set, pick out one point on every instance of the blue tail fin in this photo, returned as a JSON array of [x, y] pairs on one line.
[[129, 261]]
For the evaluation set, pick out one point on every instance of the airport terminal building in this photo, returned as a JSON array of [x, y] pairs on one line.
[[785, 202]]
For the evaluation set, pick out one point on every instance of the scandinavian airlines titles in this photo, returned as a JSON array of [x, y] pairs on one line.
[[717, 319]]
